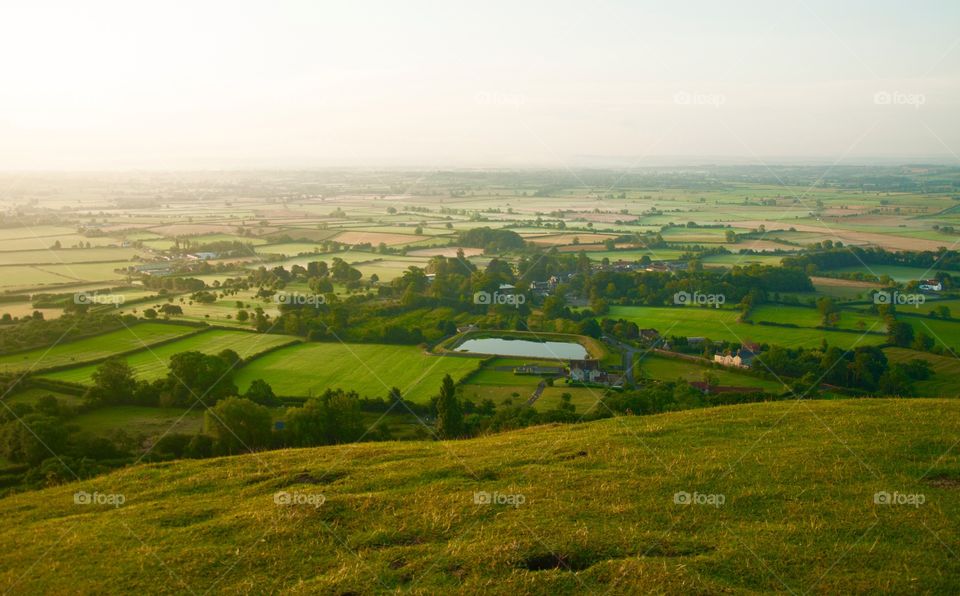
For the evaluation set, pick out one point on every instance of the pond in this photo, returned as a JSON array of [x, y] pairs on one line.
[[522, 347]]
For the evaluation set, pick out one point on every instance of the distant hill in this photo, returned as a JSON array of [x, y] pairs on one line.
[[783, 500]]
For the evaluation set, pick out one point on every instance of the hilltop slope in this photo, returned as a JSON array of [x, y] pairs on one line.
[[787, 490]]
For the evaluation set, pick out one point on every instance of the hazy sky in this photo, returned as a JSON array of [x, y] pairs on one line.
[[200, 84]]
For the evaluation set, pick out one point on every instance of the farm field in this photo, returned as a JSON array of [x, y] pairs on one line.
[[369, 369], [150, 364], [138, 421], [946, 370], [93, 348], [66, 256], [945, 333], [810, 317], [30, 397], [671, 369], [722, 325], [896, 272]]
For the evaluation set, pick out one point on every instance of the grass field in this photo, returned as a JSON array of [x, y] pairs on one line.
[[598, 512], [810, 317], [896, 272], [722, 324], [944, 333], [369, 369], [93, 348], [671, 369], [946, 370], [30, 396], [150, 364], [140, 421]]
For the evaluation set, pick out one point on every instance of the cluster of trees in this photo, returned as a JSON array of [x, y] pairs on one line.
[[192, 377], [44, 447], [749, 285], [855, 256], [864, 367], [491, 240]]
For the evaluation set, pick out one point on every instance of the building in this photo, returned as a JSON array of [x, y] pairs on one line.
[[931, 285], [585, 371], [536, 369], [650, 335], [743, 358]]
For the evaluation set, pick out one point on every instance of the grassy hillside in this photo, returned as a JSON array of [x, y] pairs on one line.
[[595, 511]]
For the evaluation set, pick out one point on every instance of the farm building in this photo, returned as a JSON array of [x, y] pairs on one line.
[[587, 371], [743, 358], [536, 369], [931, 285]]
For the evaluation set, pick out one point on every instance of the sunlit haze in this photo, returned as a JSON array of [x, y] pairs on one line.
[[115, 85]]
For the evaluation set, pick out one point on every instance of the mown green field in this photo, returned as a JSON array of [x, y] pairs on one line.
[[150, 364], [810, 317], [944, 333], [671, 369], [92, 348], [369, 369], [946, 371], [896, 272], [787, 493], [722, 324]]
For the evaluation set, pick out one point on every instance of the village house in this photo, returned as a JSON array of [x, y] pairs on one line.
[[742, 358], [585, 371], [931, 285]]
